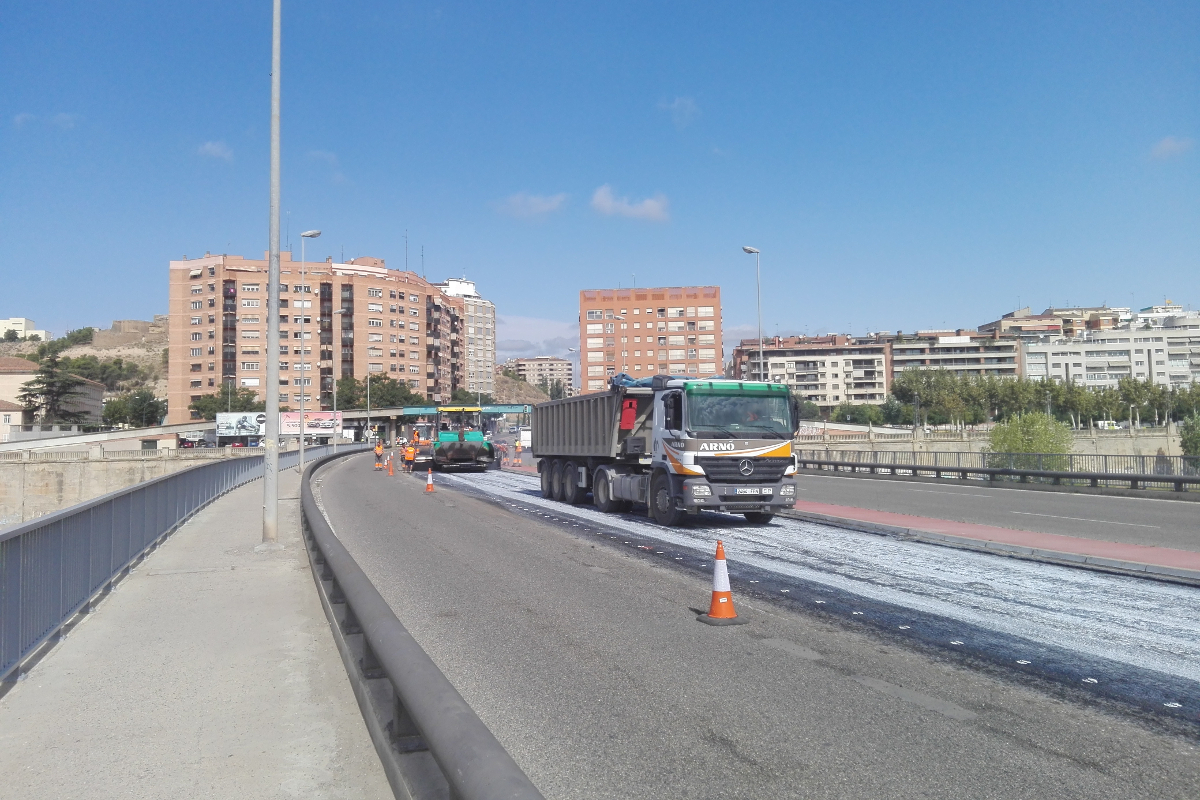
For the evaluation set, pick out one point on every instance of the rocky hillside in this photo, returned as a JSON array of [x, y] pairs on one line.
[[146, 353], [511, 390]]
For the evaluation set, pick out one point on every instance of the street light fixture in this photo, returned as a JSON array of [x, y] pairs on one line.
[[762, 373], [304, 237]]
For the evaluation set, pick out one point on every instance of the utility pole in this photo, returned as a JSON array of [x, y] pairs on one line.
[[270, 533]]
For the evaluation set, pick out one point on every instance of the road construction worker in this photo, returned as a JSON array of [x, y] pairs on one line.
[[410, 455], [378, 455]]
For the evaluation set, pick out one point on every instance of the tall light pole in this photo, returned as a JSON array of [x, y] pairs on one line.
[[270, 533], [337, 368], [762, 373], [305, 305]]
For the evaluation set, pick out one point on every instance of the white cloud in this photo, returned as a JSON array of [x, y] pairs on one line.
[[1170, 147], [533, 336], [216, 150], [23, 119], [682, 109], [532, 205], [652, 208]]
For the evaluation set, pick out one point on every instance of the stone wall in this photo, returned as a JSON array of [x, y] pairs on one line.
[[35, 484]]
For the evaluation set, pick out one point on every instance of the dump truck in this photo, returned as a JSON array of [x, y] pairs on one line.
[[676, 445]]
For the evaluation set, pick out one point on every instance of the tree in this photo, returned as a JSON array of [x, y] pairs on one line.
[[557, 390], [139, 408], [50, 392], [857, 414], [10, 335], [228, 398], [387, 392], [1036, 432], [1189, 436], [468, 398]]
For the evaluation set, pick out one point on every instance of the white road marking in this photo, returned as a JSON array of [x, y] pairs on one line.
[[956, 494], [1081, 519]]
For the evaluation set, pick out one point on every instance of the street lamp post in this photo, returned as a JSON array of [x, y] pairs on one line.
[[337, 368], [762, 373], [304, 237], [270, 531]]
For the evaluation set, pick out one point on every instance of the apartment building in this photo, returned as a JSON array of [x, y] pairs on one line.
[[671, 330], [23, 328], [389, 322], [1070, 322], [826, 370], [966, 353], [545, 369], [1168, 355], [478, 339]]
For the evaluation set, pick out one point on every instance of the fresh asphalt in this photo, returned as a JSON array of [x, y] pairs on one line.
[[1134, 520], [582, 653]]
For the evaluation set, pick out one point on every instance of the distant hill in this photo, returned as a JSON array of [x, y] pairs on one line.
[[511, 390]]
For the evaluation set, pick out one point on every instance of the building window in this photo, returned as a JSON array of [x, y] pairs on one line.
[[704, 311], [374, 367], [374, 323], [250, 334], [249, 381], [414, 326], [250, 287], [198, 288], [197, 336], [414, 368], [250, 303], [375, 293], [250, 366], [414, 312], [197, 304], [197, 367], [374, 337], [197, 320], [194, 384], [595, 315], [375, 307], [195, 351]]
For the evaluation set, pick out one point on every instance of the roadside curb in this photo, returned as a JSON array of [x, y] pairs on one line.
[[1079, 560]]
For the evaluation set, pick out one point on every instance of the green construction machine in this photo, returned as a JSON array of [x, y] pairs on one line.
[[458, 442]]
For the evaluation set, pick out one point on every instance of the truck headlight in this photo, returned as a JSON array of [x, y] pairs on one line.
[[787, 490], [701, 490]]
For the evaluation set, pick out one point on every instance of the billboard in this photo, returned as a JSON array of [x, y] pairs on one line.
[[242, 423], [316, 423]]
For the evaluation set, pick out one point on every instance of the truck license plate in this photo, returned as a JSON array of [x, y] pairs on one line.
[[752, 490]]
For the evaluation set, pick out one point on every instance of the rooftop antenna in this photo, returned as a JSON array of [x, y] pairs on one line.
[[406, 249]]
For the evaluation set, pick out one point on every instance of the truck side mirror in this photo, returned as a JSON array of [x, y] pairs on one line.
[[794, 402]]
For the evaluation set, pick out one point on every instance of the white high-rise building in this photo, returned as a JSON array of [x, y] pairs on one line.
[[478, 335]]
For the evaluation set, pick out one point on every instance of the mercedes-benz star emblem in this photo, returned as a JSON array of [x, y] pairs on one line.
[[746, 467]]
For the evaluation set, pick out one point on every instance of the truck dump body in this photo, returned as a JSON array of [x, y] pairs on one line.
[[590, 425]]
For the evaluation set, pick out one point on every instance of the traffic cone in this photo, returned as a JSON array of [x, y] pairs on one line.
[[429, 481], [720, 611], [390, 468]]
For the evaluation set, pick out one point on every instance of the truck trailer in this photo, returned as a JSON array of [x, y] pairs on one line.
[[676, 445]]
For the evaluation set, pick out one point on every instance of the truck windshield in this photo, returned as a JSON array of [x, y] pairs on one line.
[[738, 415]]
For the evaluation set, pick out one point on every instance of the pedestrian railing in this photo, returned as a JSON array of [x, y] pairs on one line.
[[430, 742], [1063, 469], [55, 567]]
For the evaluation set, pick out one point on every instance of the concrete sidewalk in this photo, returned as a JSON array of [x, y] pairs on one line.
[[1163, 561], [209, 673]]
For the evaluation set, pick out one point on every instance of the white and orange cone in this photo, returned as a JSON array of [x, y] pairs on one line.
[[429, 481], [720, 611]]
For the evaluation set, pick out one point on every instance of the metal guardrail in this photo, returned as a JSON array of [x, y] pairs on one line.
[[55, 567], [414, 714], [1136, 472]]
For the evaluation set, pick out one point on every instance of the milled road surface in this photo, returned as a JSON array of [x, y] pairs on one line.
[[581, 653], [1134, 520]]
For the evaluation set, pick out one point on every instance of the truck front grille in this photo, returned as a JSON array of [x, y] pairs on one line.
[[728, 470]]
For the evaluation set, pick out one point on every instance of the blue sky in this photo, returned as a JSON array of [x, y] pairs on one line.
[[900, 166]]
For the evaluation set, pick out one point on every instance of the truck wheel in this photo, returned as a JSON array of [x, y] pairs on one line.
[[556, 481], [662, 502], [547, 489], [572, 492], [602, 494], [759, 517]]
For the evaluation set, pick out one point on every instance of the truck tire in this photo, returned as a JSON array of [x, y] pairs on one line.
[[759, 517], [547, 489], [556, 482], [572, 492], [662, 502], [602, 494]]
